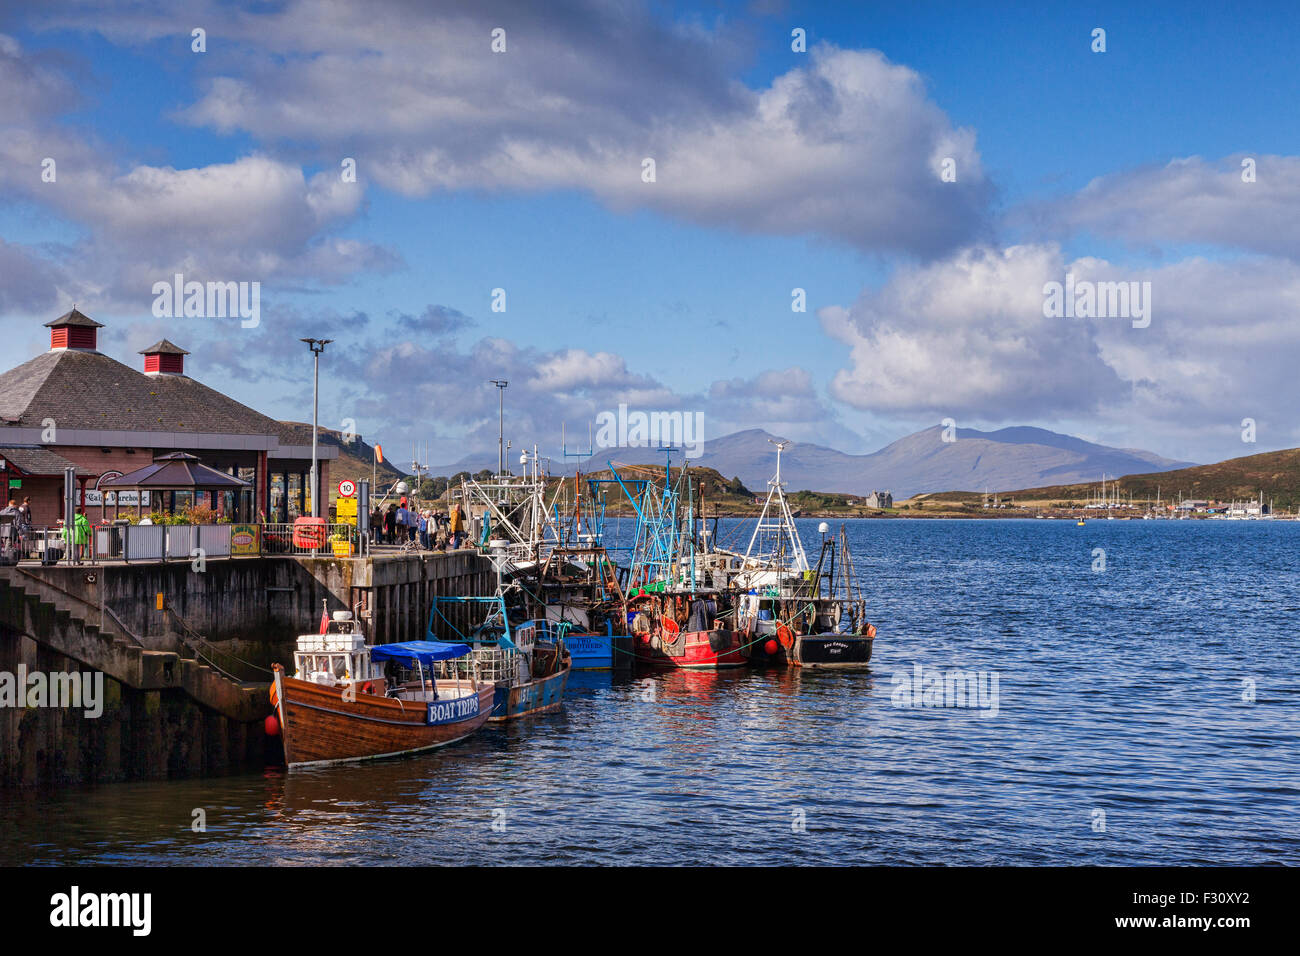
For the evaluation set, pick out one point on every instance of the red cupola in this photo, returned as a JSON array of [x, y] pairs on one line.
[[164, 358], [73, 331]]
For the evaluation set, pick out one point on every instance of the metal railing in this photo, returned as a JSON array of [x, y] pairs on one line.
[[279, 539], [492, 664], [178, 542]]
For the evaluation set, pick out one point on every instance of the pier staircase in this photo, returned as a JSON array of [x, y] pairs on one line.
[[92, 635]]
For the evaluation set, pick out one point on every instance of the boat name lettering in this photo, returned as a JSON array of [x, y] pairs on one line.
[[449, 711]]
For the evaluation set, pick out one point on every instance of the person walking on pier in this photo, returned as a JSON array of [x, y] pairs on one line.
[[390, 525], [403, 523], [455, 525]]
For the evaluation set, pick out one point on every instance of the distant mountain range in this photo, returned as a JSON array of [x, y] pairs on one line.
[[1016, 457]]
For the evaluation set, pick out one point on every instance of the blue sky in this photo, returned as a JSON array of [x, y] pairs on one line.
[[518, 171]]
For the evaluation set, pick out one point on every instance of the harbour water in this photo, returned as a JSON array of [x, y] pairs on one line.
[[1145, 713]]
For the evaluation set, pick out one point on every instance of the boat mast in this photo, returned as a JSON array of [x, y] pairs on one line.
[[783, 526]]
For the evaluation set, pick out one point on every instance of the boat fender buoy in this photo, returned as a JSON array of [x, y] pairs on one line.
[[272, 726], [770, 647], [367, 687], [784, 636], [871, 630]]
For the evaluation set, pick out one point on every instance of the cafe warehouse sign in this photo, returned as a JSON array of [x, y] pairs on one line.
[[96, 497]]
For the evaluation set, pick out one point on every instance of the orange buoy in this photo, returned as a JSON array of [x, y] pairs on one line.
[[871, 630], [272, 726], [771, 647], [784, 636]]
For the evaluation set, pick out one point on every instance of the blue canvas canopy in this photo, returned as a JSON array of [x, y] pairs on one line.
[[426, 652]]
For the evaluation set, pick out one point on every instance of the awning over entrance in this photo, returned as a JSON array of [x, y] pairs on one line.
[[178, 471]]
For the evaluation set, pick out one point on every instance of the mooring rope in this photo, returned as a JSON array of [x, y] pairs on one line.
[[208, 645]]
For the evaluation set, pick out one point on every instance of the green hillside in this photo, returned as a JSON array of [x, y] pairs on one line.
[[1275, 473]]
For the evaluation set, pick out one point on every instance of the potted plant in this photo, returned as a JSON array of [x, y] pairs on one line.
[[341, 544]]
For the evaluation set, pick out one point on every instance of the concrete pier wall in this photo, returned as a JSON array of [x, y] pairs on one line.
[[256, 607], [139, 734], [251, 608]]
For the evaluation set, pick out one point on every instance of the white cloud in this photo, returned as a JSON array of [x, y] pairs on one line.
[[1190, 200], [846, 145], [967, 338]]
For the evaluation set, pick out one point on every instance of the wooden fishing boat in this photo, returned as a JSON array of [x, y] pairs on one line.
[[341, 705], [528, 663], [700, 642]]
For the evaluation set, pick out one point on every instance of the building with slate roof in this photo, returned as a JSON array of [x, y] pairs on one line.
[[75, 406]]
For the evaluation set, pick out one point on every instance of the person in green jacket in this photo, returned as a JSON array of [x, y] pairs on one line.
[[78, 534]]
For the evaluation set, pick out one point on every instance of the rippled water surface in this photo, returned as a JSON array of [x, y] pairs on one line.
[[1121, 736]]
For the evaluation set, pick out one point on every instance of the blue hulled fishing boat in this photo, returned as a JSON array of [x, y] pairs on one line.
[[527, 660]]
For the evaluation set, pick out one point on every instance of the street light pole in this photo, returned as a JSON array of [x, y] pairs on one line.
[[317, 346], [501, 424]]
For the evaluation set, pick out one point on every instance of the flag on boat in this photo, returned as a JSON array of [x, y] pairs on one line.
[[324, 621], [379, 454]]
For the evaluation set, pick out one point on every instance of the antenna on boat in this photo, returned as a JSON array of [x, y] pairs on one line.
[[782, 527], [577, 452]]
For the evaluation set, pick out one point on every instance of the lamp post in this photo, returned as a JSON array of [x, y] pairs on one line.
[[317, 346], [501, 424]]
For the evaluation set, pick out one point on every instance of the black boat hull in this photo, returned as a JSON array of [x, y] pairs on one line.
[[816, 650]]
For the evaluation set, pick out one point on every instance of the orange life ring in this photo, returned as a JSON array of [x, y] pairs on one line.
[[669, 626], [784, 636]]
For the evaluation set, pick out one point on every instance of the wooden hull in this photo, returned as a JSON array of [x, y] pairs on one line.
[[319, 727], [816, 650], [692, 650]]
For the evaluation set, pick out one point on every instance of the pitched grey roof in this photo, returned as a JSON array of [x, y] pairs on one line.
[[88, 390], [35, 460], [75, 318], [164, 347]]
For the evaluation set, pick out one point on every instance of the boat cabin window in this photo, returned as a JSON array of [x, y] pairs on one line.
[[337, 666]]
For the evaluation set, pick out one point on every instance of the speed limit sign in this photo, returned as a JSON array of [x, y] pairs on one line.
[[347, 488]]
